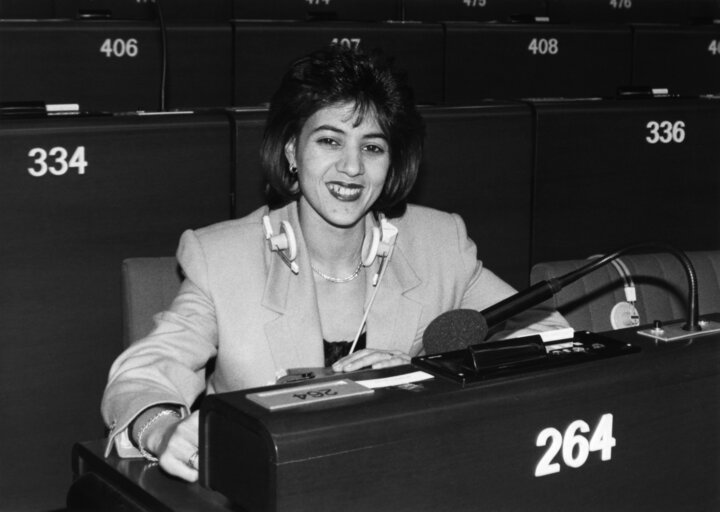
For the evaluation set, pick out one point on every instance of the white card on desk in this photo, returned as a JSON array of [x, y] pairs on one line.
[[309, 394]]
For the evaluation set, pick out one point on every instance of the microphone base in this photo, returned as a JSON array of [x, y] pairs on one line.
[[462, 365], [675, 332]]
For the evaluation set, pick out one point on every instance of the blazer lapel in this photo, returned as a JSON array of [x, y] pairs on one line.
[[294, 336], [395, 315]]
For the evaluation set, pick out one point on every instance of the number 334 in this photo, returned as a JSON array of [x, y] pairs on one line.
[[56, 161]]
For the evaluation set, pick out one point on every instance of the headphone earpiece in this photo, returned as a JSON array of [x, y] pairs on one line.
[[624, 314], [371, 246], [284, 243], [385, 236]]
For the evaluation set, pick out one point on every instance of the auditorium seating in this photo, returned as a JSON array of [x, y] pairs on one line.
[[535, 179], [617, 11], [632, 11], [118, 63], [472, 10], [535, 60], [659, 280], [199, 65], [149, 286], [248, 184], [98, 65], [477, 163], [75, 9], [221, 10], [682, 59], [115, 65], [77, 196], [27, 9], [562, 11], [263, 51], [340, 10], [629, 171]]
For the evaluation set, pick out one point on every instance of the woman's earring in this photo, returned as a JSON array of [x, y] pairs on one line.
[[293, 169]]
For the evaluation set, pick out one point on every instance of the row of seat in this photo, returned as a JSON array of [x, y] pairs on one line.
[[659, 281], [622, 11], [119, 66], [535, 181]]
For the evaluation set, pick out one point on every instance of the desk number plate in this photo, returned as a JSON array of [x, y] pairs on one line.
[[311, 394]]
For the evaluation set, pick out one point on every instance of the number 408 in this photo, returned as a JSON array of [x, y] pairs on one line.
[[575, 447]]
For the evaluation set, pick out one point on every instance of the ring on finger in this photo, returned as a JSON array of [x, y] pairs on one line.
[[193, 460]]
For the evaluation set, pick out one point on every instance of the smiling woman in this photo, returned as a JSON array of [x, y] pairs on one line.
[[341, 162], [351, 279]]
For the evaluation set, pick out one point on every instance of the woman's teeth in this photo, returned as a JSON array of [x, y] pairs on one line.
[[344, 193]]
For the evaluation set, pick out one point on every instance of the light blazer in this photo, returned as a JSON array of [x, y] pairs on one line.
[[241, 304]]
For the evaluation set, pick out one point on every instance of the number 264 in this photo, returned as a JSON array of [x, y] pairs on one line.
[[575, 447]]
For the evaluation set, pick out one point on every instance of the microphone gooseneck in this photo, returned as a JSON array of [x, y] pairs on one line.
[[460, 328], [544, 290], [693, 318]]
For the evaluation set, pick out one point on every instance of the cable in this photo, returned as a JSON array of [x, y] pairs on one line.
[[164, 58], [692, 324]]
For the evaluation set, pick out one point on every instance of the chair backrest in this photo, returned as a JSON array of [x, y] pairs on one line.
[[149, 286], [660, 283]]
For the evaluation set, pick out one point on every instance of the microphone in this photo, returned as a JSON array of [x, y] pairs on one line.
[[454, 330], [460, 328]]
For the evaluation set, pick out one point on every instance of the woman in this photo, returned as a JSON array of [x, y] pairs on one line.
[[322, 280]]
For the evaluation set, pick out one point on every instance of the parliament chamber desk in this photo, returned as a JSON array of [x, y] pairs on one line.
[[637, 429], [133, 485]]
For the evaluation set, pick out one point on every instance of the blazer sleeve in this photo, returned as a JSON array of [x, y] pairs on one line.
[[168, 365], [484, 289]]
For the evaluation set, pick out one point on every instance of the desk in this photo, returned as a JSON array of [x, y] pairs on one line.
[[474, 448], [133, 485]]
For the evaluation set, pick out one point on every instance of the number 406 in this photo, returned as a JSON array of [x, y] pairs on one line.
[[575, 447]]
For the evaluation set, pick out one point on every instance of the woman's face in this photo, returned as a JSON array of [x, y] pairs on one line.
[[342, 165]]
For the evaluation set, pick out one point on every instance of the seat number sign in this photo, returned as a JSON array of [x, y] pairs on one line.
[[574, 445], [299, 396]]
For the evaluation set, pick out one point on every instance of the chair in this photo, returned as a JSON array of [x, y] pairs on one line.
[[149, 286], [660, 283]]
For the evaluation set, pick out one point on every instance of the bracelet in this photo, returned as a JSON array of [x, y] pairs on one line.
[[149, 456]]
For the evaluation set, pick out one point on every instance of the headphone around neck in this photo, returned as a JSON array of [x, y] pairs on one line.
[[379, 243]]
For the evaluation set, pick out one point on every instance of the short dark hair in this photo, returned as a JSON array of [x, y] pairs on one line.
[[330, 76]]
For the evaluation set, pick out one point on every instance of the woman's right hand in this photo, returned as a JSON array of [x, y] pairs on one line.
[[174, 442]]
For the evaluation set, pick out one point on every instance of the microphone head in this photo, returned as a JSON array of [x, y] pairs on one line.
[[454, 330]]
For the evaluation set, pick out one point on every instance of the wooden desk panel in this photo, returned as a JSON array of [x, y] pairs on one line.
[[652, 414], [133, 485], [443, 447]]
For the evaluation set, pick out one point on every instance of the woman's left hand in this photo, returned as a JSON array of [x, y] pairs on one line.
[[373, 358]]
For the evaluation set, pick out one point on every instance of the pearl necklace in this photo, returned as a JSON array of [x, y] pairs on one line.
[[333, 279]]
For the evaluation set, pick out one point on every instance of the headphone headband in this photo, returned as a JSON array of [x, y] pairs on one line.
[[378, 244]]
